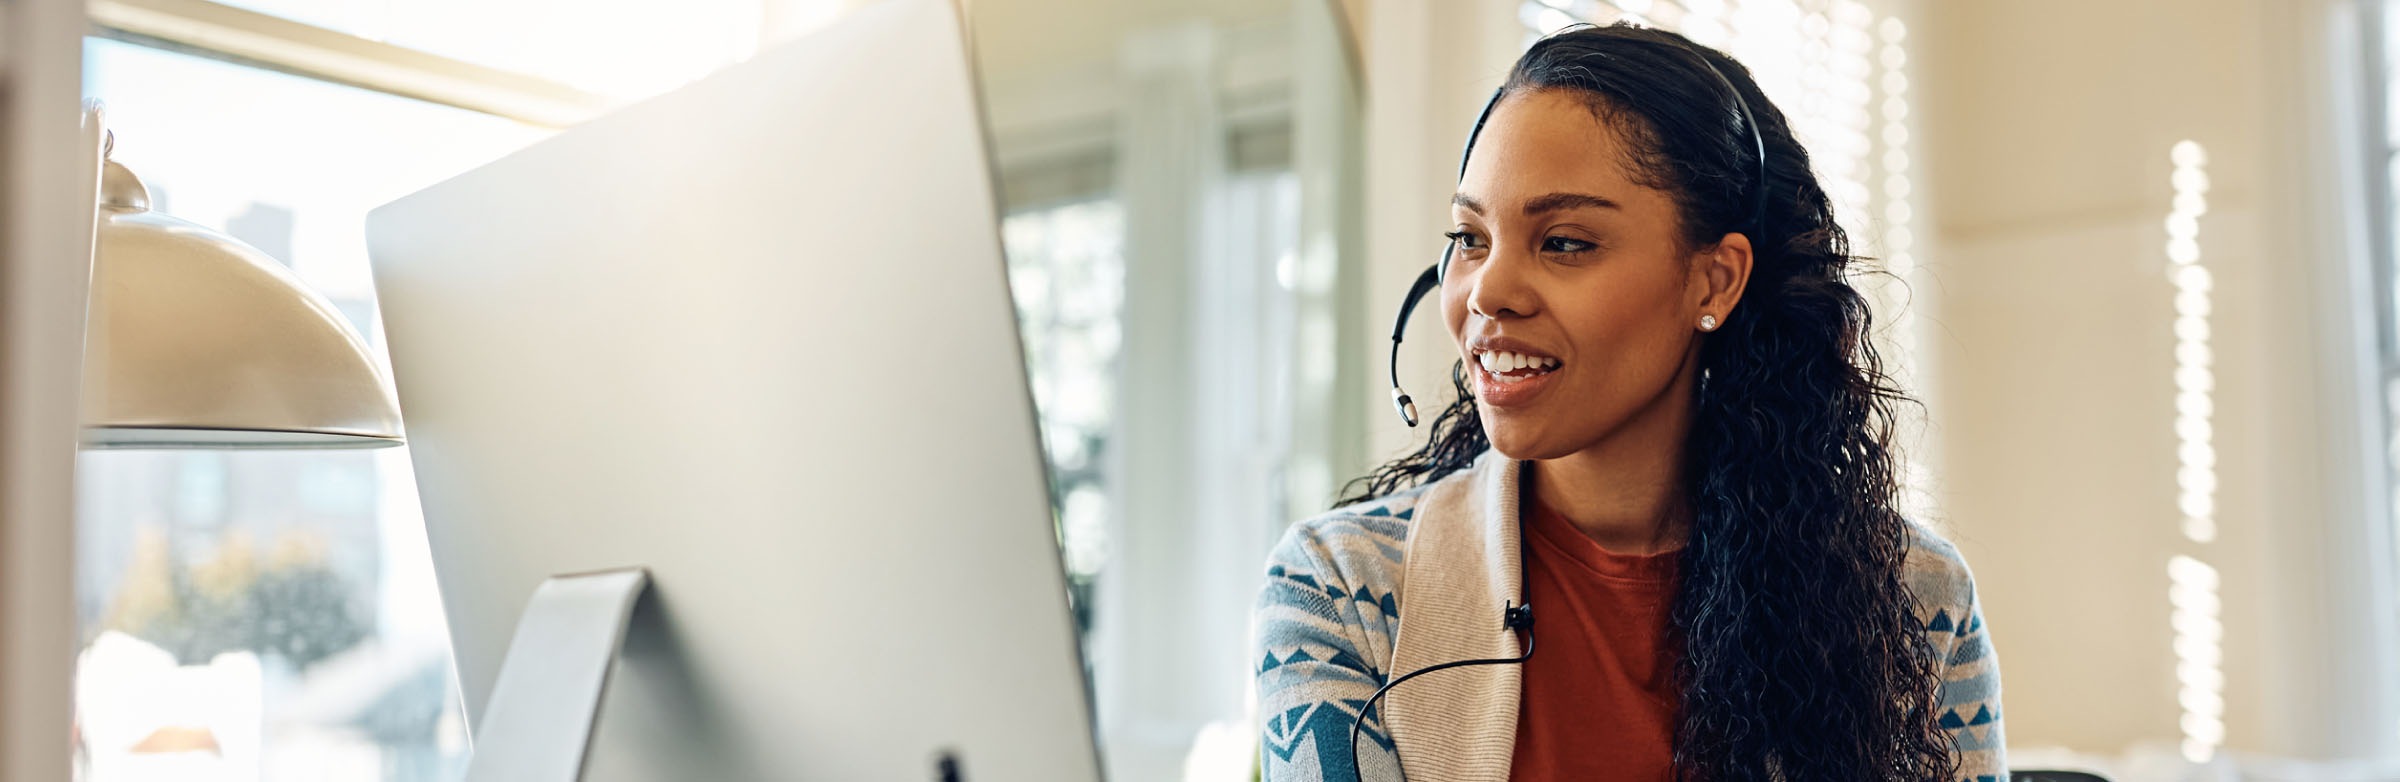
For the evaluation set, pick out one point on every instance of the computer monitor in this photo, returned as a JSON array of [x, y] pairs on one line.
[[754, 336]]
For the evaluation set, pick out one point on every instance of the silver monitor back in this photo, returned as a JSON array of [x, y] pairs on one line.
[[753, 335]]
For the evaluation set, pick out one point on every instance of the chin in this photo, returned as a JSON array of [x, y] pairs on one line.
[[1518, 437]]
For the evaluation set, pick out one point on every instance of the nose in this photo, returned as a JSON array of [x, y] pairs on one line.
[[1501, 286]]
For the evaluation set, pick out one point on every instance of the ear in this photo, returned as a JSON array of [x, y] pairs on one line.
[[1719, 275]]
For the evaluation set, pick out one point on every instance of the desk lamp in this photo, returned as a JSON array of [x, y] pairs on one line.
[[197, 340]]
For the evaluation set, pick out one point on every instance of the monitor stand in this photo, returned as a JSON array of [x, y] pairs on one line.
[[537, 726]]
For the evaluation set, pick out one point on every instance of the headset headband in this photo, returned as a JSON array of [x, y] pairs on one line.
[[1758, 141]]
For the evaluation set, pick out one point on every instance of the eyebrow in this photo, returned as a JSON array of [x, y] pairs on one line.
[[1550, 202]]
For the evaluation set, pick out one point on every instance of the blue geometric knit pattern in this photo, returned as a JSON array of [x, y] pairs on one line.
[[1330, 610]]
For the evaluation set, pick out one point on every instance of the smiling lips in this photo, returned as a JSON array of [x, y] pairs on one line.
[[1511, 367], [1508, 378]]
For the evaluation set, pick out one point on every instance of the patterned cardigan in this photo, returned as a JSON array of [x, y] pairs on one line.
[[1419, 578]]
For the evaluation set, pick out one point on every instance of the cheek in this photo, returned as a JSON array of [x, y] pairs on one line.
[[1608, 325], [1454, 308], [1633, 341]]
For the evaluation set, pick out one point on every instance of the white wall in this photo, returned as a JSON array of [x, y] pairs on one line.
[[2048, 127]]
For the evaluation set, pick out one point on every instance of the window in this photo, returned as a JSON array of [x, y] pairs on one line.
[[2380, 39], [272, 615], [267, 614], [1176, 183], [1066, 267]]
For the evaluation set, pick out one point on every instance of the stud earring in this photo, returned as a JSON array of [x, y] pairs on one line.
[[1708, 323]]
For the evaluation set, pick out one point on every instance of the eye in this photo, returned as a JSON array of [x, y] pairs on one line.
[[1465, 240], [1562, 244]]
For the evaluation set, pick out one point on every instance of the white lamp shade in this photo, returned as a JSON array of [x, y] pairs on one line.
[[197, 340]]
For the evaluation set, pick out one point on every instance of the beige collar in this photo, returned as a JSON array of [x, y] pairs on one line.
[[1460, 570]]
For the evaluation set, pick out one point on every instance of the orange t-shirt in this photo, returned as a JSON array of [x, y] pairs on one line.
[[1599, 694]]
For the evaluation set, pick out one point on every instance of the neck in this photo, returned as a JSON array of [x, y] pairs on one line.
[[1627, 492]]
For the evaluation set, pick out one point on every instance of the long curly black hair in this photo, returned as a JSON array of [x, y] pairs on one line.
[[1802, 656]]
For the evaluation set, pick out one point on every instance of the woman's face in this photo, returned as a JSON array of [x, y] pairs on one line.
[[1570, 297]]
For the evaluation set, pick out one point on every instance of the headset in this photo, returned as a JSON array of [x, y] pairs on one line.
[[1431, 278], [1517, 617]]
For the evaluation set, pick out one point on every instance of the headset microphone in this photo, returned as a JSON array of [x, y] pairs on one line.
[[1432, 278]]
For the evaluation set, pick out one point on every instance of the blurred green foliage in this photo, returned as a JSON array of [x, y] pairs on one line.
[[285, 602]]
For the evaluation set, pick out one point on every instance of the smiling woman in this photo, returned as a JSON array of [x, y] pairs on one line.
[[1673, 435], [1575, 260]]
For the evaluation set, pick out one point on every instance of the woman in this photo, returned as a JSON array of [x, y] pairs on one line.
[[1672, 437]]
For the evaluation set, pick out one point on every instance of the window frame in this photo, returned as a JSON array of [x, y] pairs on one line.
[[245, 37]]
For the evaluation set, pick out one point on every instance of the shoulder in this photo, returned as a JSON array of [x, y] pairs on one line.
[[1936, 572], [1970, 671], [1332, 591], [1353, 544], [1947, 604]]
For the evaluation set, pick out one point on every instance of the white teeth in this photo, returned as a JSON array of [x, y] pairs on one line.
[[1501, 362]]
